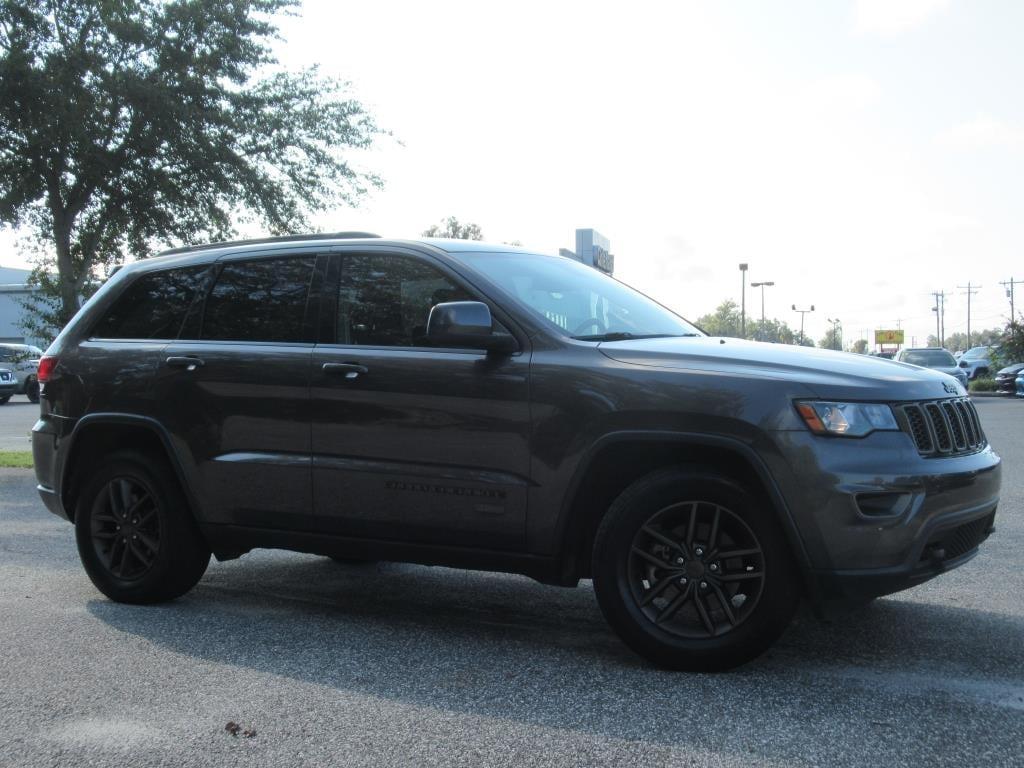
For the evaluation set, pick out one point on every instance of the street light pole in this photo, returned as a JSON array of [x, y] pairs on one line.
[[802, 313], [762, 287], [743, 301]]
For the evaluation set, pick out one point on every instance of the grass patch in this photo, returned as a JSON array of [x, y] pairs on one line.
[[17, 459]]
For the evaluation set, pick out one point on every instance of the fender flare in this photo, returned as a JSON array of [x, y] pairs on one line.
[[692, 439], [151, 425]]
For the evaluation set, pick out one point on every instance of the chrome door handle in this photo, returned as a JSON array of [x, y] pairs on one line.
[[188, 363], [348, 370]]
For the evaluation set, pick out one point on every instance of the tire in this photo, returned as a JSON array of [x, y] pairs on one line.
[[32, 390], [731, 609], [168, 555], [4, 399]]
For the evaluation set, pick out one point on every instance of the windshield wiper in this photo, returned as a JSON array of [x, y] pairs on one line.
[[624, 335]]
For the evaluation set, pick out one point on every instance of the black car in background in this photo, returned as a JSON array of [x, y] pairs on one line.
[[482, 406], [1007, 377]]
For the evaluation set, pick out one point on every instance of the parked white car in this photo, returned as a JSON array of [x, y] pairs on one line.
[[23, 362]]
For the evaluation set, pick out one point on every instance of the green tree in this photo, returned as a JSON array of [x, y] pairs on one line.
[[860, 346], [451, 228], [724, 321], [131, 123], [833, 338]]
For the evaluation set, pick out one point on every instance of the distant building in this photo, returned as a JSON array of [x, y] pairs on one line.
[[593, 249], [14, 289]]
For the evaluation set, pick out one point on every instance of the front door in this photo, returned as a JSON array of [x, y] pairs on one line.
[[234, 392], [409, 442]]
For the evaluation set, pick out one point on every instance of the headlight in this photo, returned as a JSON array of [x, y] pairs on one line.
[[846, 419]]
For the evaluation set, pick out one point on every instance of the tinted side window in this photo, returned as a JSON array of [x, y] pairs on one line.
[[262, 300], [152, 307], [385, 300]]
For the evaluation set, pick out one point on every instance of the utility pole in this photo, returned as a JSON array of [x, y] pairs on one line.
[[1008, 284], [971, 290], [837, 333], [802, 313], [762, 287], [743, 301], [940, 320]]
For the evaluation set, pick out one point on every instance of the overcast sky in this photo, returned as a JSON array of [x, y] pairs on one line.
[[859, 154]]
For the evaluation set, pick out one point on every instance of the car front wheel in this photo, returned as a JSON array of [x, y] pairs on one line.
[[135, 533], [692, 571]]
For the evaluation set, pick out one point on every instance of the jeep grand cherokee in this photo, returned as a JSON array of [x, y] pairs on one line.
[[456, 403]]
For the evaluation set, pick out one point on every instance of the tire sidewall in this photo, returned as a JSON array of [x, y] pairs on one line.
[[775, 607]]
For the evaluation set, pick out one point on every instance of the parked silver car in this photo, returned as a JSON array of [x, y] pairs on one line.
[[976, 362], [23, 362], [936, 358]]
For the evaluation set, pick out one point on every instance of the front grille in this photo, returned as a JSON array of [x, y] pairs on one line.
[[943, 427], [958, 541]]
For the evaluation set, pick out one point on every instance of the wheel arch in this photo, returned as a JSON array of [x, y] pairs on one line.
[[620, 458], [101, 433]]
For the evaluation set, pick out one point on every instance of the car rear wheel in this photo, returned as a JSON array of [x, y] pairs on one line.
[[693, 572], [32, 390], [136, 535]]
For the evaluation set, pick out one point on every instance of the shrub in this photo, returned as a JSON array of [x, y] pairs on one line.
[[983, 385]]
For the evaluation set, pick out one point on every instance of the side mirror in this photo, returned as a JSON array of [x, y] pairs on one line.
[[466, 324]]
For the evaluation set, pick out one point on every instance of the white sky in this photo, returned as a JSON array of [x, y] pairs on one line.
[[859, 154]]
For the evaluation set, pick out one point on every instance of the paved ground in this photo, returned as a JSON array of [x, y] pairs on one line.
[[404, 665], [16, 419]]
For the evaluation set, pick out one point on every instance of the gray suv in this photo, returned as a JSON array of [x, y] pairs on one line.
[[481, 406]]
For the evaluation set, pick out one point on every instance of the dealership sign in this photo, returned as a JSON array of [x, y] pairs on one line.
[[889, 337]]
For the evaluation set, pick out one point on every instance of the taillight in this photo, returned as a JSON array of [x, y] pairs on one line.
[[46, 366]]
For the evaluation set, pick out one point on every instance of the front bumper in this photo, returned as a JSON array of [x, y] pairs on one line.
[[874, 515], [950, 544], [8, 388]]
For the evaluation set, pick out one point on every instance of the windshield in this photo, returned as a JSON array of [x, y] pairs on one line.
[[974, 353], [929, 358], [580, 300]]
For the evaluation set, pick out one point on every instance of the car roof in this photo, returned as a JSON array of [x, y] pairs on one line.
[[210, 252]]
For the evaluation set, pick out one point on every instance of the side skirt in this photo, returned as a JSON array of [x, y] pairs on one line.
[[231, 541]]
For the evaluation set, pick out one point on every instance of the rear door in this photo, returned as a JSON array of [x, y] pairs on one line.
[[234, 390], [414, 443]]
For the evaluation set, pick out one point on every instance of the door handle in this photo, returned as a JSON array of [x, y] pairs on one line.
[[188, 363], [348, 370]]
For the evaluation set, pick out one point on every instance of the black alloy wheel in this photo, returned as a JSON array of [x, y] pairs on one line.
[[136, 535], [693, 571], [696, 569], [125, 527]]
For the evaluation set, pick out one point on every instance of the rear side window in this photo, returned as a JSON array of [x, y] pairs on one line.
[[262, 300], [153, 307]]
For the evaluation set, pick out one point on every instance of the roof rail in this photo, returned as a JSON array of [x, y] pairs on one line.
[[279, 239]]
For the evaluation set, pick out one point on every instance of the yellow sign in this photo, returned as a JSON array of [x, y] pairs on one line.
[[889, 337]]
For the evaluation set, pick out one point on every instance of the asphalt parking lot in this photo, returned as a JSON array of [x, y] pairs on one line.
[[407, 665], [16, 419]]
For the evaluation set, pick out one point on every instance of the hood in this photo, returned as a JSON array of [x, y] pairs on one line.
[[1011, 370], [828, 374]]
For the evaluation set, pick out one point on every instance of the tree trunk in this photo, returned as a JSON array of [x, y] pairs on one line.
[[65, 270]]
